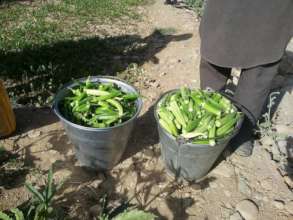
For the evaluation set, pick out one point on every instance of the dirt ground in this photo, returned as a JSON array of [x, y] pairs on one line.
[[237, 188]]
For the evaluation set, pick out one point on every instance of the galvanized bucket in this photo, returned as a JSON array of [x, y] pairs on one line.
[[98, 148], [187, 160]]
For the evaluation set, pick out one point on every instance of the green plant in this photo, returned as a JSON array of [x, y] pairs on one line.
[[41, 204], [17, 214], [196, 5], [265, 126], [45, 44], [128, 214], [40, 207], [2, 150], [135, 215]]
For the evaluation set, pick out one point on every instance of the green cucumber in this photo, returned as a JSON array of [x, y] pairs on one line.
[[96, 92], [211, 109], [225, 119], [212, 135], [191, 125], [167, 127], [201, 142], [227, 126], [117, 105]]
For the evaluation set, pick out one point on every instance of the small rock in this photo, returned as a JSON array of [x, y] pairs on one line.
[[288, 181], [282, 144], [243, 186], [289, 207], [285, 106], [282, 169], [247, 209], [267, 141], [224, 169], [34, 133], [163, 74], [279, 204], [96, 210], [276, 153], [236, 216]]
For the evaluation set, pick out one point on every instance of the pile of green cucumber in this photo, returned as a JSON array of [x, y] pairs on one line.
[[98, 105], [202, 117]]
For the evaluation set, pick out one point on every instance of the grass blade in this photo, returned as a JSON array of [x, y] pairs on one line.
[[49, 184], [135, 214], [35, 192], [18, 214], [3, 216]]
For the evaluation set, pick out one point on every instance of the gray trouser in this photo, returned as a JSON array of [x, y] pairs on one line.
[[253, 86]]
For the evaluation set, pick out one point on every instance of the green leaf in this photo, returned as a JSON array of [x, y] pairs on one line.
[[35, 192], [18, 214], [38, 212], [135, 215], [3, 216], [32, 207], [55, 189], [58, 187], [49, 186]]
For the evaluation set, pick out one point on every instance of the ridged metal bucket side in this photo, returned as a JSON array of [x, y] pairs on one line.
[[187, 160], [98, 148]]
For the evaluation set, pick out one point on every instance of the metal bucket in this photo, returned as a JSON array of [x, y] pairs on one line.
[[187, 160], [98, 148]]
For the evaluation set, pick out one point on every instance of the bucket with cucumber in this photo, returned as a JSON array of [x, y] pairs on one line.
[[194, 128]]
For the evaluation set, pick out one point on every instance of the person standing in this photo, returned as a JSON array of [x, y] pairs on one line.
[[251, 35]]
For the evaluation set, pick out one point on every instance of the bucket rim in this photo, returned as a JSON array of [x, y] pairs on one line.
[[121, 83], [227, 138]]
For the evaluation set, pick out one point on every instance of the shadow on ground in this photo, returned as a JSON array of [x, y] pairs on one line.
[[33, 118], [144, 134], [36, 72]]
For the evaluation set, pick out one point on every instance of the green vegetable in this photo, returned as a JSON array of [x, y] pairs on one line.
[[169, 123], [212, 135], [130, 96], [201, 142], [211, 109], [200, 116], [117, 105], [174, 108], [191, 125], [225, 119], [165, 125], [98, 105], [96, 92], [226, 127], [201, 129]]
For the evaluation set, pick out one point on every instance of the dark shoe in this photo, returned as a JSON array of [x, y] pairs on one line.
[[242, 143], [245, 149]]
